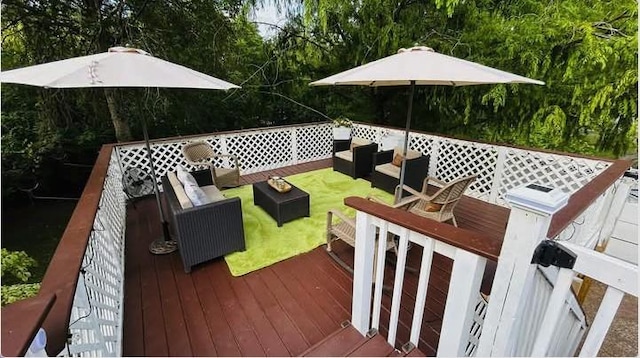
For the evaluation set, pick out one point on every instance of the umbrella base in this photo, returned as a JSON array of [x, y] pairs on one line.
[[161, 246]]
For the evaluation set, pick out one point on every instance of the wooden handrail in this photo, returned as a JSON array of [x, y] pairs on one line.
[[474, 242], [21, 321], [61, 277], [585, 196]]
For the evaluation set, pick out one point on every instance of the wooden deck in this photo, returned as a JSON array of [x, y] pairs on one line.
[[281, 310]]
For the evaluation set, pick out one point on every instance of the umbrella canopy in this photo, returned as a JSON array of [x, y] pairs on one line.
[[119, 67], [423, 66], [420, 66]]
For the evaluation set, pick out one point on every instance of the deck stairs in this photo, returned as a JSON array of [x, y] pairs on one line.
[[348, 342]]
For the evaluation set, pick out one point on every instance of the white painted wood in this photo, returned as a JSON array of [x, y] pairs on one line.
[[379, 274], [433, 158], [466, 278], [362, 272], [623, 250], [514, 274], [294, 145], [626, 231], [397, 286], [421, 294], [553, 312], [623, 187], [497, 175], [600, 326], [618, 274]]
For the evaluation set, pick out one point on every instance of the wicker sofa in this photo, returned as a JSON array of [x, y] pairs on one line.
[[386, 176], [354, 161], [203, 232]]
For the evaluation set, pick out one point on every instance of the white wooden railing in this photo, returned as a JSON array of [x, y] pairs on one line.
[[499, 168], [464, 309], [621, 277], [519, 296], [96, 315]]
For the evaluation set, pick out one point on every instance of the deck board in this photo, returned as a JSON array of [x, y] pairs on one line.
[[281, 310]]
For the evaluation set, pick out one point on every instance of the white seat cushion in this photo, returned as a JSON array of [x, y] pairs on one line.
[[179, 190], [213, 193], [389, 169], [346, 155]]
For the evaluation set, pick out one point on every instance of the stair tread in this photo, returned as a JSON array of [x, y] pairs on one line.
[[337, 344], [374, 347]]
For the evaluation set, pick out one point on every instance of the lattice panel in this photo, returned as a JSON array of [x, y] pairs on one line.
[[422, 143], [479, 314], [262, 150], [567, 173], [314, 142], [96, 321], [367, 132], [457, 159]]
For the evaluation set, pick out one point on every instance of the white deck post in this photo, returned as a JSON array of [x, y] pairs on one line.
[[362, 272], [531, 212]]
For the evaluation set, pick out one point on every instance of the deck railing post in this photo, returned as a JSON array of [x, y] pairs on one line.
[[527, 227], [363, 272], [433, 159], [497, 175]]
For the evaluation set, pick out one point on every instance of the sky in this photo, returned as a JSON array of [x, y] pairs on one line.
[[268, 14]]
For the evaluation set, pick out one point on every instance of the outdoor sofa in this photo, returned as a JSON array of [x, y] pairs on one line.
[[353, 157], [207, 231]]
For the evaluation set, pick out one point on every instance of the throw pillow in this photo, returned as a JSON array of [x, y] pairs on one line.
[[432, 207], [397, 160], [185, 177], [196, 195]]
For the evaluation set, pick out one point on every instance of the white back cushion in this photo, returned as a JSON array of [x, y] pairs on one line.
[[196, 195], [179, 190], [185, 177]]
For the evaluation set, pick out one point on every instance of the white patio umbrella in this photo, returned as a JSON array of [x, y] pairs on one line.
[[119, 67], [420, 66]]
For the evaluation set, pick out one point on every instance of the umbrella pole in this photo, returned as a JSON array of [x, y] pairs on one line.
[[164, 244], [406, 142]]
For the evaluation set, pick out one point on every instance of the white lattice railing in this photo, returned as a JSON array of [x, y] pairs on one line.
[[499, 168], [96, 315], [464, 310], [257, 149]]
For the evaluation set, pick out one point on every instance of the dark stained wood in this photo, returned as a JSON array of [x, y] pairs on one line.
[[21, 321], [374, 347], [478, 243], [281, 310], [338, 344], [61, 276], [582, 199]]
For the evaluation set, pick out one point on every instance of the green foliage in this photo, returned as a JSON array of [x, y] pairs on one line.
[[13, 293], [15, 268], [15, 265]]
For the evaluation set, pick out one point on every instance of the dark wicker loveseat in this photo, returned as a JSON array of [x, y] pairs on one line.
[[415, 172], [358, 162], [204, 232]]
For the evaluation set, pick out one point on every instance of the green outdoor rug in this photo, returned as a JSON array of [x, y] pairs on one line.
[[267, 243]]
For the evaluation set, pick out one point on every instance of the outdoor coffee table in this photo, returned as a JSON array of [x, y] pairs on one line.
[[283, 207]]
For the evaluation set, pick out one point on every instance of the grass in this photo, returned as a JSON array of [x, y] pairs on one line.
[[36, 229]]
